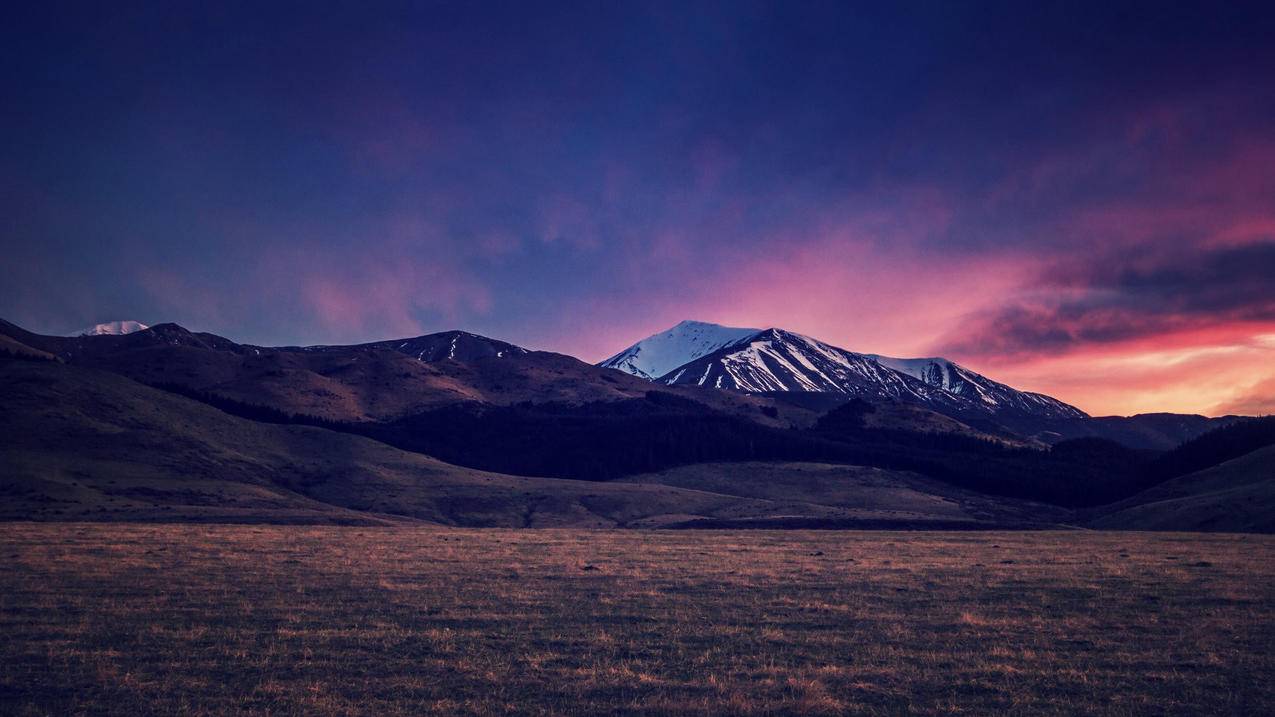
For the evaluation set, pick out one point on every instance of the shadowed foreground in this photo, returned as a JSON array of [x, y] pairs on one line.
[[214, 619]]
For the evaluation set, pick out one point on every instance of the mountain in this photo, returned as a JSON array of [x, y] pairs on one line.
[[657, 355], [113, 328], [799, 372], [775, 360], [778, 360]]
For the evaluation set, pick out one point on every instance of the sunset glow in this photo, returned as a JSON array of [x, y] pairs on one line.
[[1080, 204]]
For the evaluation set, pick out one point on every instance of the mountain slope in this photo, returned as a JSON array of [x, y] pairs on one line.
[[996, 396], [659, 354], [778, 360], [1235, 496], [12, 347], [775, 360], [83, 444], [1237, 438]]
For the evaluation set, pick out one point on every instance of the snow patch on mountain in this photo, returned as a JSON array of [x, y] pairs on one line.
[[112, 328], [446, 345], [777, 360], [956, 379], [659, 354]]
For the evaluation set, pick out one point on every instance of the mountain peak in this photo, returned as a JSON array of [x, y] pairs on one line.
[[660, 353], [693, 323], [112, 328], [453, 345]]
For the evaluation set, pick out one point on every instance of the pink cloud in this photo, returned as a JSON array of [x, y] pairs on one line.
[[400, 276], [1211, 374], [1257, 399]]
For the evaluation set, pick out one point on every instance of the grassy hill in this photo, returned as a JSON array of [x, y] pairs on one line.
[[85, 444], [1235, 496], [12, 347]]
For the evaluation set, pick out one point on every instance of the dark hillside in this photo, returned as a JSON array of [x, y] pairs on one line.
[[1217, 446]]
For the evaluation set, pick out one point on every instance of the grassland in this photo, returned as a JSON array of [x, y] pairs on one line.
[[139, 619]]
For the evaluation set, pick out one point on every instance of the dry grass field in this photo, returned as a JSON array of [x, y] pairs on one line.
[[139, 619]]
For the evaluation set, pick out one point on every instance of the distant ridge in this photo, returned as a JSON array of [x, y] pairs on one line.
[[388, 380]]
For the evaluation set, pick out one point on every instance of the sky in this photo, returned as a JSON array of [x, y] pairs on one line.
[[1072, 198]]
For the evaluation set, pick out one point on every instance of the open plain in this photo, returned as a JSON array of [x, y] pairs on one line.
[[201, 619]]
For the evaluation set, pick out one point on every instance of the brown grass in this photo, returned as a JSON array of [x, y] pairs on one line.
[[135, 619]]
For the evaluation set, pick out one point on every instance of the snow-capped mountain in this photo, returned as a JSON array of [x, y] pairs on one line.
[[778, 360], [657, 355], [774, 360], [112, 328]]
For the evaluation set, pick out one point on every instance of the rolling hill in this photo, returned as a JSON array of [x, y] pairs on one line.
[[1235, 496], [84, 444]]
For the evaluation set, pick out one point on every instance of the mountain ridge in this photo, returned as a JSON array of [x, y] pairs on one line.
[[394, 378], [382, 380]]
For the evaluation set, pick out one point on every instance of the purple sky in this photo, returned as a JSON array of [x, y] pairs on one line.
[[1074, 198]]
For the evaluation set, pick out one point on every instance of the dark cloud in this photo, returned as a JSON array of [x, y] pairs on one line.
[[1109, 301]]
